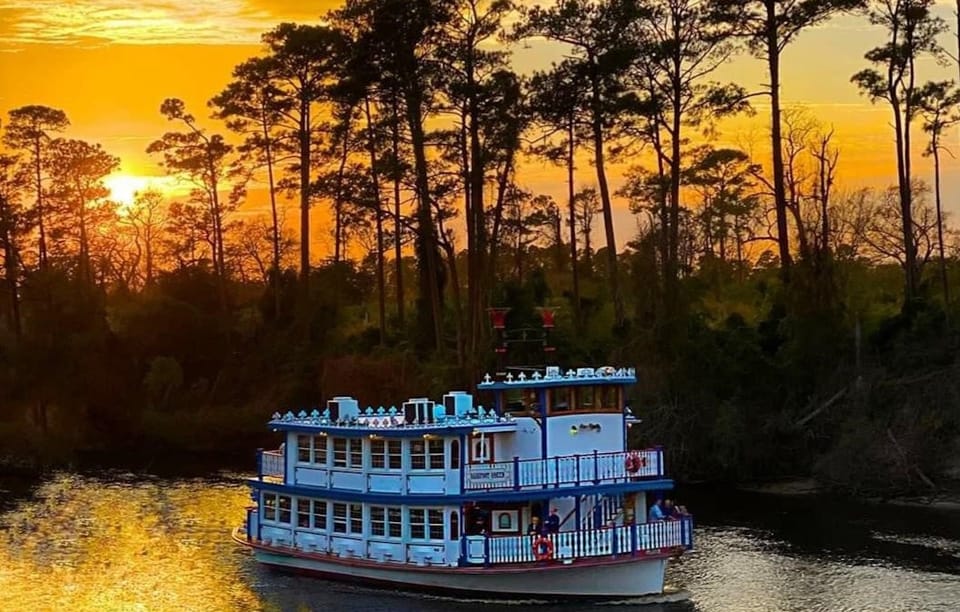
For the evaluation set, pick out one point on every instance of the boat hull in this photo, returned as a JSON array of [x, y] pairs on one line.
[[611, 579]]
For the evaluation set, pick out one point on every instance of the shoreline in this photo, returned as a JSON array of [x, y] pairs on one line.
[[946, 498]]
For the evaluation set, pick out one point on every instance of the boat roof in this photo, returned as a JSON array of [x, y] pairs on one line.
[[391, 424]]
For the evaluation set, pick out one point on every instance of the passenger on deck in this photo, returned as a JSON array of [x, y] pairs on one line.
[[656, 511], [553, 522], [669, 510], [535, 528]]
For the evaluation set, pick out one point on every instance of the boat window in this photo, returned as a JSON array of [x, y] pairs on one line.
[[320, 449], [426, 454], [378, 454], [268, 508], [283, 508], [304, 449], [482, 450], [339, 452], [339, 518], [303, 513], [320, 514], [347, 518], [356, 518], [609, 399], [394, 454], [426, 524], [520, 401], [454, 454], [356, 452], [386, 521], [560, 400], [454, 526], [585, 399]]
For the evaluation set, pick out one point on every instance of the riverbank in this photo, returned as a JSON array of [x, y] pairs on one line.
[[945, 497]]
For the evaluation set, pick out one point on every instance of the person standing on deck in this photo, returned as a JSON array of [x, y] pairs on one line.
[[656, 511], [553, 522]]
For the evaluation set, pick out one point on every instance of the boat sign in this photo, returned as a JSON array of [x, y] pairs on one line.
[[483, 477]]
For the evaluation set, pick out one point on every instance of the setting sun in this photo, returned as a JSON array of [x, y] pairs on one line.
[[124, 187]]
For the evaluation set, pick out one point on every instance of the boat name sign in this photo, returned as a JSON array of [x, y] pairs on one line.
[[478, 476]]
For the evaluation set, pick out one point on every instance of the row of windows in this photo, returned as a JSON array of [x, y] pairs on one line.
[[599, 398], [384, 454], [347, 518]]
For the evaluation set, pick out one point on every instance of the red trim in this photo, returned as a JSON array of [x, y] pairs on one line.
[[505, 568]]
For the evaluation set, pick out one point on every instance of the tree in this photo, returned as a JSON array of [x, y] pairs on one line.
[[725, 180], [255, 106], [769, 26], [77, 170], [587, 206], [598, 33], [202, 159], [912, 32], [15, 224], [302, 63], [682, 47], [555, 101], [29, 130], [147, 217], [939, 104]]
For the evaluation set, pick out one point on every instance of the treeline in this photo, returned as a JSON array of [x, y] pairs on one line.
[[783, 324]]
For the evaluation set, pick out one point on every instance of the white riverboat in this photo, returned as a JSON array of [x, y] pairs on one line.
[[442, 496]]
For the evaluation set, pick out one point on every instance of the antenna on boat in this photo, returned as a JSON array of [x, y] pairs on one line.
[[525, 335]]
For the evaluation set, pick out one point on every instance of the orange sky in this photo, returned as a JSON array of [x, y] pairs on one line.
[[109, 64]]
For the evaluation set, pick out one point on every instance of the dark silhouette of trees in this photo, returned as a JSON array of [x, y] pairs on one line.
[[769, 26], [29, 131], [912, 32], [15, 225]]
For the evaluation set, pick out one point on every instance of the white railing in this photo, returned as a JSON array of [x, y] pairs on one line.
[[635, 539], [271, 463], [567, 471]]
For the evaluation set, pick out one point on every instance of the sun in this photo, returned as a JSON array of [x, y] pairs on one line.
[[124, 187]]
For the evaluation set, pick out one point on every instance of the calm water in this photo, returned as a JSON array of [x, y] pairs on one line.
[[117, 541]]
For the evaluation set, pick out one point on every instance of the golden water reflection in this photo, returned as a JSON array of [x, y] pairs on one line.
[[125, 544]]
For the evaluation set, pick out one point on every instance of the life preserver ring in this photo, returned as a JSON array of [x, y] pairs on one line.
[[542, 549], [634, 462]]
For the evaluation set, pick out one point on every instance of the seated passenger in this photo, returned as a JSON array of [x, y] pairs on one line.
[[553, 522], [669, 510], [656, 511], [535, 528]]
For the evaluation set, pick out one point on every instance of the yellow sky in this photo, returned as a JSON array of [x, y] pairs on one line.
[[110, 63]]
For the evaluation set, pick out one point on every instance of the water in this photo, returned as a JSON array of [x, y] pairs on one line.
[[119, 541]]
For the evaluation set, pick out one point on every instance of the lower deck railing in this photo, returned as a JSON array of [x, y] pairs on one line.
[[630, 540]]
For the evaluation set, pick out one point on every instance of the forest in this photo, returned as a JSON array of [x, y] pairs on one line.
[[782, 323]]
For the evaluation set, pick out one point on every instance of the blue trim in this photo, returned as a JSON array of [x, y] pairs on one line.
[[464, 440], [384, 432], [449, 500]]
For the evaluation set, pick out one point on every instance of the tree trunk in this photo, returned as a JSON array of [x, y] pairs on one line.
[[375, 179], [477, 175], [40, 216], [274, 219], [935, 148], [779, 190], [906, 203], [397, 228], [672, 268], [338, 248], [571, 201], [303, 135], [429, 313], [597, 124]]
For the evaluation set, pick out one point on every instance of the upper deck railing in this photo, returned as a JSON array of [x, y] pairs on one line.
[[271, 464], [567, 471]]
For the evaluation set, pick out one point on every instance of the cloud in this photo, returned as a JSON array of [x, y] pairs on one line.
[[98, 22]]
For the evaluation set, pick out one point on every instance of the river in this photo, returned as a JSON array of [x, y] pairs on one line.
[[122, 541]]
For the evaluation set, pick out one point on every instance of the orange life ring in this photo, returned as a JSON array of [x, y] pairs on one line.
[[542, 549]]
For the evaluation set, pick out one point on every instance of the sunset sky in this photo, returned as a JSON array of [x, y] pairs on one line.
[[110, 63]]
